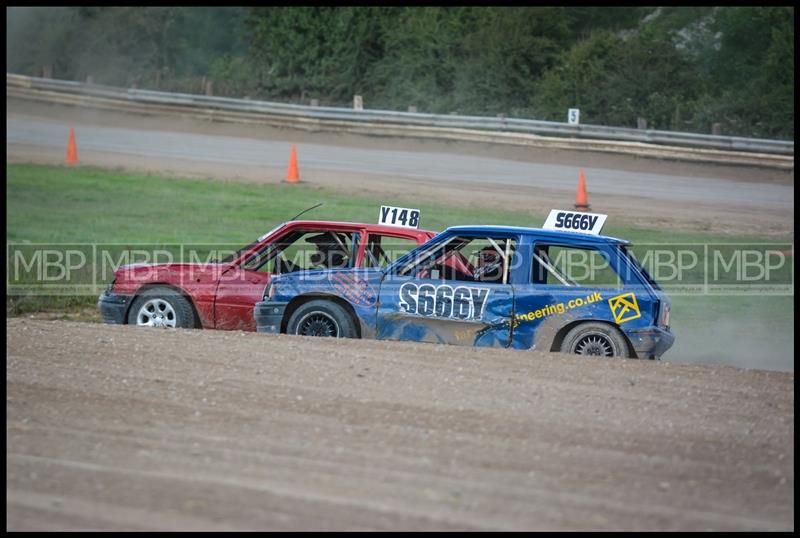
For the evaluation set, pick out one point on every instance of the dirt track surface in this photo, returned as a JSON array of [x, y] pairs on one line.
[[114, 427], [644, 192]]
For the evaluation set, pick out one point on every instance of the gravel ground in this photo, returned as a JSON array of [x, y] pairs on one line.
[[120, 428]]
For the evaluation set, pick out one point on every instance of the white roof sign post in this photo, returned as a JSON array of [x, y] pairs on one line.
[[575, 221], [399, 216]]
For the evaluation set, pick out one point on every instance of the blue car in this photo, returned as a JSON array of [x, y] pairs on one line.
[[562, 288]]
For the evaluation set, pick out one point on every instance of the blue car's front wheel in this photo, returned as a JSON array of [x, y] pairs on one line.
[[321, 318]]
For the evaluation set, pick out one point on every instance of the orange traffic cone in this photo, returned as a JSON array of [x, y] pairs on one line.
[[72, 149], [581, 199], [293, 175]]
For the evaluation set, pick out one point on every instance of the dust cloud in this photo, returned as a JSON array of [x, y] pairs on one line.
[[755, 332]]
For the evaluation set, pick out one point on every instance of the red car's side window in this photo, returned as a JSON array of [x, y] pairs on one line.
[[383, 250], [302, 250]]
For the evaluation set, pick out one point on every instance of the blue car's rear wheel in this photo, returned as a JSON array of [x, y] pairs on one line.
[[321, 318], [595, 339]]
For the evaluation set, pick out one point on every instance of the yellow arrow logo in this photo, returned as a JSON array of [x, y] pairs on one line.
[[624, 307]]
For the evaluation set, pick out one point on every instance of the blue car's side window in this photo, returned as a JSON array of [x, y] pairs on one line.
[[574, 266]]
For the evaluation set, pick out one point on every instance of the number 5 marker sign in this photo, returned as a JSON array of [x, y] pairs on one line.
[[574, 116]]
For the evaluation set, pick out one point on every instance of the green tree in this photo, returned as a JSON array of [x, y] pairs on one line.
[[420, 61], [681, 68], [753, 73], [580, 81], [506, 53], [322, 52]]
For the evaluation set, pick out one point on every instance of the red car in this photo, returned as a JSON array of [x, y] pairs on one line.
[[221, 295]]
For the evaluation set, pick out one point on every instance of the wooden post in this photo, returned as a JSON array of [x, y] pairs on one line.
[[716, 129], [358, 102], [315, 102], [89, 79], [209, 87], [412, 109], [47, 71], [641, 123]]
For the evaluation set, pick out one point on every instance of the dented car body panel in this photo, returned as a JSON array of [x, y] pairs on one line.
[[519, 310], [427, 310]]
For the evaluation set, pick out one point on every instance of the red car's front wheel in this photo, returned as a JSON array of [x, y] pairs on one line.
[[161, 307]]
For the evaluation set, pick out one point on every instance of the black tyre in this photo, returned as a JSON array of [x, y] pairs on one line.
[[161, 307], [598, 339], [322, 318]]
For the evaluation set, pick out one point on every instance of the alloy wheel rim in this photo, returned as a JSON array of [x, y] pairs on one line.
[[596, 345], [156, 313], [317, 324]]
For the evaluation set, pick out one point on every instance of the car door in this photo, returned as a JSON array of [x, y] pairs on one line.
[[238, 290], [243, 285], [444, 297]]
